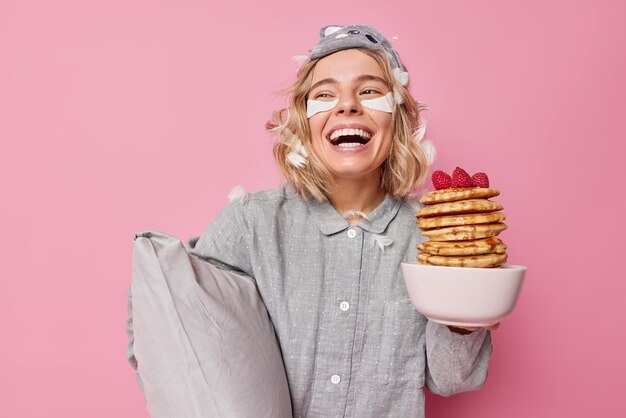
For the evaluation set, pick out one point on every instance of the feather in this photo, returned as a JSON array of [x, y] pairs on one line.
[[300, 59], [429, 150], [382, 241], [295, 159], [238, 192], [418, 135], [397, 96], [299, 148], [401, 76], [350, 214]]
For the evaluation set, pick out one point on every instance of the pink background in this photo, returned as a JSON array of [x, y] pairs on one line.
[[123, 116]]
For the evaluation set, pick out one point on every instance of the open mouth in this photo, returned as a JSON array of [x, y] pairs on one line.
[[347, 138]]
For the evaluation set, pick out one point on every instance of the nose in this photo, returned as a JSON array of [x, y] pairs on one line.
[[348, 105]]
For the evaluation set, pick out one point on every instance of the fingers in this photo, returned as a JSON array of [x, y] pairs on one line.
[[489, 327], [493, 327], [471, 328]]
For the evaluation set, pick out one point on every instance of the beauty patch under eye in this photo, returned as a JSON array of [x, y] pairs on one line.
[[384, 103], [316, 106]]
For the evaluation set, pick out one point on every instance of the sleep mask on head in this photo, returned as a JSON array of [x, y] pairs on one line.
[[336, 38]]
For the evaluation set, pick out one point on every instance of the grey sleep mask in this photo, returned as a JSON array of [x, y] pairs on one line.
[[336, 38]]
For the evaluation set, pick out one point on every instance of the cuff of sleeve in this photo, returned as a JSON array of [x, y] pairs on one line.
[[445, 334]]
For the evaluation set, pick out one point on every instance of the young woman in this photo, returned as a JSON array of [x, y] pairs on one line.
[[325, 248]]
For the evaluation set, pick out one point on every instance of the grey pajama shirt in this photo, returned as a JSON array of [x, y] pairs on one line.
[[352, 344]]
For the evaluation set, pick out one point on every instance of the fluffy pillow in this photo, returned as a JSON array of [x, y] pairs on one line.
[[200, 338]]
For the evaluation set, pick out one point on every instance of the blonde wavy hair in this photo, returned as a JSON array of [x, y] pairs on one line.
[[405, 167]]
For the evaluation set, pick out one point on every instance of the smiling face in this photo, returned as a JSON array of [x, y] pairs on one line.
[[350, 139]]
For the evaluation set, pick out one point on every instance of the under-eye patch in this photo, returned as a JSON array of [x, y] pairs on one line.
[[383, 103], [316, 106]]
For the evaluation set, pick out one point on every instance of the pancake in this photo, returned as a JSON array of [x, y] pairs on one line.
[[459, 193], [459, 207], [484, 260], [469, 219], [465, 232], [461, 248]]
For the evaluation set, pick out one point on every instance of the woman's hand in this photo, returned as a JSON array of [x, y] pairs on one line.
[[468, 330]]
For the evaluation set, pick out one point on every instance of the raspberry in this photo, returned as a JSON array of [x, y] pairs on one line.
[[441, 180], [480, 180], [460, 178]]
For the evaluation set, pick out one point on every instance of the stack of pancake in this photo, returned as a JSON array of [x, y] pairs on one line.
[[462, 225]]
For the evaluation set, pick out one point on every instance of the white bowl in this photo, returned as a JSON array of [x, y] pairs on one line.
[[462, 296]]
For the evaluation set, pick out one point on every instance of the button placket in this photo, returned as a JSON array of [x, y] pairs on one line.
[[351, 233]]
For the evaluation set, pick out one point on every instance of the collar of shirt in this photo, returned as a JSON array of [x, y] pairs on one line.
[[329, 221]]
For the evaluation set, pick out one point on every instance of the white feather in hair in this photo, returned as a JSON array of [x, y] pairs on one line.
[[401, 76], [418, 135], [382, 241], [300, 59], [397, 96], [429, 150], [299, 148], [295, 159], [427, 145], [238, 192]]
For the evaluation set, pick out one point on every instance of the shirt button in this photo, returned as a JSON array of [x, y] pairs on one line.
[[344, 306], [335, 379], [351, 233]]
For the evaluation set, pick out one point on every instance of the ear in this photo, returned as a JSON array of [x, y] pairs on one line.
[[327, 30]]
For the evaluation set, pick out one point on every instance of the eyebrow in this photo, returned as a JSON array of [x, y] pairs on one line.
[[363, 77]]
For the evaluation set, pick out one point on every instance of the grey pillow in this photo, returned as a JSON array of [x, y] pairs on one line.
[[200, 338]]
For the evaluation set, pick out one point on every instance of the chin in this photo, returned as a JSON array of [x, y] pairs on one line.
[[352, 172]]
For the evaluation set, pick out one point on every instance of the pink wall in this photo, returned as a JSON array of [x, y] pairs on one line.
[[122, 116]]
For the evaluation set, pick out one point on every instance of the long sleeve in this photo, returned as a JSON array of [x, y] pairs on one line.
[[456, 363], [224, 243]]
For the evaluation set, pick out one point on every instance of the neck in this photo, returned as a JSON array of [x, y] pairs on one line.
[[357, 194]]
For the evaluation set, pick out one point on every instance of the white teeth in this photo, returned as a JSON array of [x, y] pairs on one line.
[[344, 132], [349, 144]]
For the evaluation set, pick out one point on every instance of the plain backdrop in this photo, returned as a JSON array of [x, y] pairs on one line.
[[123, 116]]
